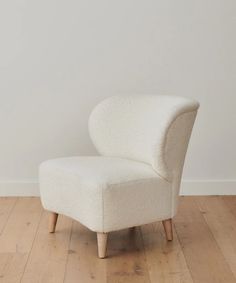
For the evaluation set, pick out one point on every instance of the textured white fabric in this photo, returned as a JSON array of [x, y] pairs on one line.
[[143, 141], [135, 127], [177, 139], [104, 193]]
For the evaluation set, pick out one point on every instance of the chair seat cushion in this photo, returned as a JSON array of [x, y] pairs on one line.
[[104, 193]]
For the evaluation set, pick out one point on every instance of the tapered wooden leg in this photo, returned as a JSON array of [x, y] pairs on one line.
[[102, 244], [52, 222], [168, 229]]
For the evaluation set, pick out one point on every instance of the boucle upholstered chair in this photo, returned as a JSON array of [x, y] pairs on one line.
[[142, 141]]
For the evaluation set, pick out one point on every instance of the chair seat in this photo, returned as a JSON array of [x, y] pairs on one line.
[[104, 193]]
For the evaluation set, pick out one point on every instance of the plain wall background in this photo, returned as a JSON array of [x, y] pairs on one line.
[[58, 59]]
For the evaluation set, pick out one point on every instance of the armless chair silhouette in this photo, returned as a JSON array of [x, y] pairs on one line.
[[142, 142]]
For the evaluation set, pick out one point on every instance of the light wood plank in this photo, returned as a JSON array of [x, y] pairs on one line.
[[12, 266], [6, 206], [83, 264], [126, 257], [230, 202], [125, 260], [223, 226], [204, 258], [48, 257], [205, 252], [17, 238], [21, 226], [165, 260]]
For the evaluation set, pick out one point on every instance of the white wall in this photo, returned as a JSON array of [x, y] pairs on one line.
[[59, 58]]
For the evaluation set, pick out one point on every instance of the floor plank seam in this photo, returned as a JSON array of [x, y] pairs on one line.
[[36, 232], [8, 217], [230, 210], [203, 251], [181, 246], [145, 255], [216, 242], [68, 250]]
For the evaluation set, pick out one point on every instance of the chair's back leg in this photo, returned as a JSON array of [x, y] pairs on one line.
[[102, 244], [168, 229], [52, 222]]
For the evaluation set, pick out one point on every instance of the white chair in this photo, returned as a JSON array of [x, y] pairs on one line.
[[142, 142]]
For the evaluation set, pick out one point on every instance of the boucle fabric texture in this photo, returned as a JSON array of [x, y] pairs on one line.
[[104, 193], [136, 127], [142, 141]]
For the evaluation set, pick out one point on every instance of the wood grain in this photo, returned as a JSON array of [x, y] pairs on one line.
[[165, 260], [222, 224], [48, 257], [83, 264], [203, 249], [17, 238], [204, 257], [126, 257], [6, 206]]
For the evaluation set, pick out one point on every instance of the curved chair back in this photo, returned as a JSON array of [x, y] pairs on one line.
[[154, 129]]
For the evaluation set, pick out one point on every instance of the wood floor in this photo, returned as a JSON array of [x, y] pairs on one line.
[[203, 250]]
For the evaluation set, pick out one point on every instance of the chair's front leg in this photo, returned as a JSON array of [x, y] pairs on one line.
[[102, 244], [52, 222], [168, 229]]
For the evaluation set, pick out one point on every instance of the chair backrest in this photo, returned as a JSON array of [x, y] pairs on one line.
[[154, 129]]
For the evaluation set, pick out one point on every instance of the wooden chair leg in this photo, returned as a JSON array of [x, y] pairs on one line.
[[52, 222], [168, 229], [102, 244]]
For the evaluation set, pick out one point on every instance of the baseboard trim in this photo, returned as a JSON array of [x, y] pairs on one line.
[[188, 187], [22, 188], [208, 187]]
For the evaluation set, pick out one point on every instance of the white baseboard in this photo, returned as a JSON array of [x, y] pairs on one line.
[[22, 188], [208, 187], [188, 187]]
